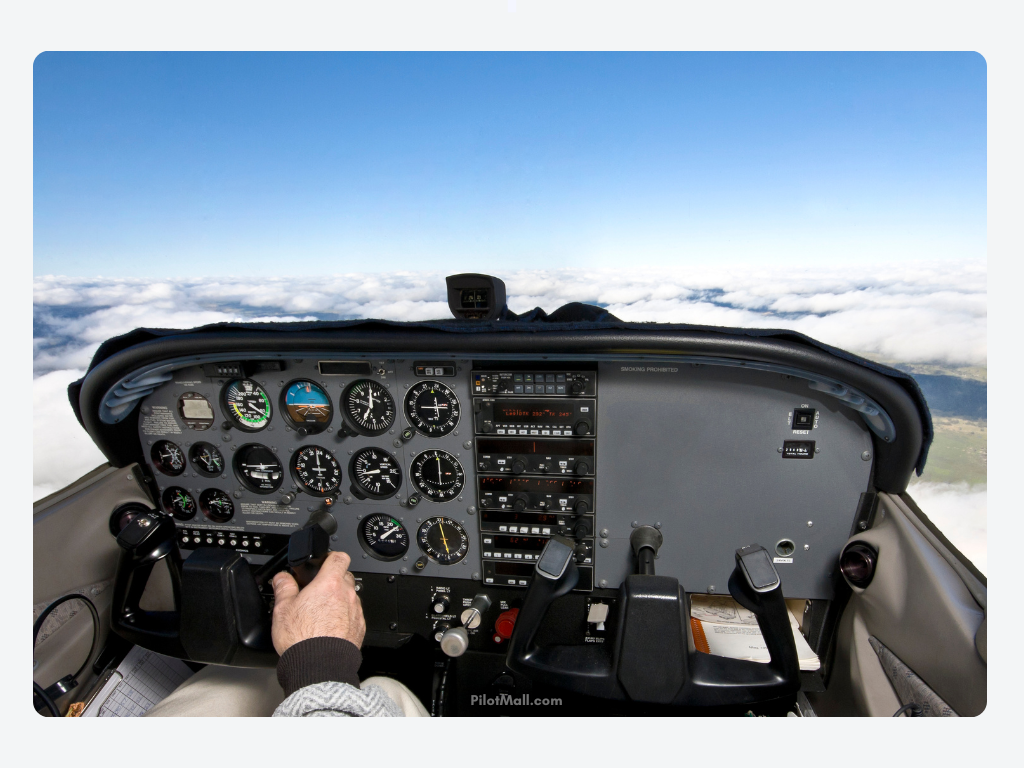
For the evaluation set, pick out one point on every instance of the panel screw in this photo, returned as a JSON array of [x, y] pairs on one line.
[[348, 499], [129, 477], [806, 547], [604, 542], [604, 582], [391, 579], [817, 450], [403, 570], [468, 444], [471, 510], [237, 494], [394, 624], [334, 538], [657, 525], [476, 575], [810, 523], [866, 456], [711, 589], [863, 525], [636, 523], [604, 533], [779, 450]]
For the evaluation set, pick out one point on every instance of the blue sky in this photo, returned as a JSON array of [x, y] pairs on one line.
[[164, 165]]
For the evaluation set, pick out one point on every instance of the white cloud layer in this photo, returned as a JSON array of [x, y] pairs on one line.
[[914, 313]]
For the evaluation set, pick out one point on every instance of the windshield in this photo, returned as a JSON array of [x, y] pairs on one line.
[[840, 195]]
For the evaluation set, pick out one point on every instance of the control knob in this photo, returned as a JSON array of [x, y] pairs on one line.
[[581, 428], [441, 604], [582, 468], [519, 504], [455, 641], [581, 508], [472, 616], [518, 467], [506, 623], [581, 529], [582, 552], [578, 387]]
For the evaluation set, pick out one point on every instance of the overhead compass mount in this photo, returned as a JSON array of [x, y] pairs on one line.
[[476, 297]]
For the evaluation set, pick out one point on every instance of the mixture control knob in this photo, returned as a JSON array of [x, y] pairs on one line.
[[582, 468], [582, 428], [578, 387], [455, 641], [581, 508], [506, 623], [518, 467], [441, 604], [519, 504]]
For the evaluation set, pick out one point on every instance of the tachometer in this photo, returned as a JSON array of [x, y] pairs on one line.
[[433, 408], [370, 406], [247, 405], [168, 457], [306, 405], [375, 473], [216, 505], [438, 475], [207, 459], [179, 502], [258, 468], [383, 537], [443, 540], [316, 470]]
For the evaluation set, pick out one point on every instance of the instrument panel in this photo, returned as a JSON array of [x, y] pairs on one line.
[[460, 468]]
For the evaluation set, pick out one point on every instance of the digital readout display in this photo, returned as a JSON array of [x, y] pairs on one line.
[[533, 412], [534, 518], [513, 569], [535, 485], [545, 447], [531, 543]]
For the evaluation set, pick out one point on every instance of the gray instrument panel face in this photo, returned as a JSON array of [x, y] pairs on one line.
[[256, 513], [695, 448]]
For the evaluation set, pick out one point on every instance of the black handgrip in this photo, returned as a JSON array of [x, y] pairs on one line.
[[649, 659], [144, 542], [307, 550]]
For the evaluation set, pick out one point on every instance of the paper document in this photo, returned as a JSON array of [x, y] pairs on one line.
[[141, 681], [723, 627]]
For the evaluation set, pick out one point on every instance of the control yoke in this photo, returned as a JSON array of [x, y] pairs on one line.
[[220, 615], [652, 656]]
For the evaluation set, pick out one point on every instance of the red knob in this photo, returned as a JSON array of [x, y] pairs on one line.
[[506, 623]]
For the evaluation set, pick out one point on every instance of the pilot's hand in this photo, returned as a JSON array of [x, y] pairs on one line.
[[327, 607]]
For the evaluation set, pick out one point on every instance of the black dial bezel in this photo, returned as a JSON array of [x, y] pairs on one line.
[[421, 458], [169, 508], [204, 505], [244, 479], [230, 415], [353, 476], [351, 420], [153, 455], [198, 467], [312, 428], [301, 484], [423, 533], [361, 536], [418, 423]]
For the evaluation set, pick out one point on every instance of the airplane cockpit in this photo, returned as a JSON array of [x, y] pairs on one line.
[[545, 514]]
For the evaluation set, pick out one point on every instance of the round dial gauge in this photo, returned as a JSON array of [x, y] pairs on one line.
[[433, 408], [179, 502], [247, 405], [195, 410], [375, 473], [383, 537], [306, 405], [443, 540], [370, 406], [438, 475], [168, 457], [258, 468], [207, 459], [216, 505], [316, 470]]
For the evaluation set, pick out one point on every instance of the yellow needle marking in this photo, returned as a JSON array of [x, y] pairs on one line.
[[440, 527]]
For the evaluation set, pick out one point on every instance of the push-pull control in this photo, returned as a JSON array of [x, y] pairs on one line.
[[455, 640]]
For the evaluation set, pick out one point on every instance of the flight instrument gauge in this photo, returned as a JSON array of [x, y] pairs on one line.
[[316, 470], [307, 406], [216, 505], [195, 410], [432, 408], [179, 502], [258, 468], [168, 457], [370, 406], [383, 537], [438, 475], [375, 473], [207, 459], [443, 540], [247, 405]]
